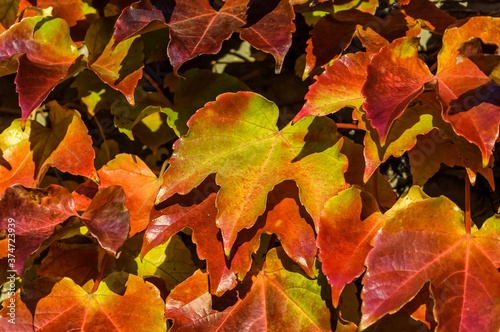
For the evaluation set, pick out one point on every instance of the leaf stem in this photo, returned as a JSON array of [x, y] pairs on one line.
[[101, 272], [348, 126], [467, 205], [163, 168]]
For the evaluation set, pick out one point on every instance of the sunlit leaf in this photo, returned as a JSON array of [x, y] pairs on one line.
[[237, 138]]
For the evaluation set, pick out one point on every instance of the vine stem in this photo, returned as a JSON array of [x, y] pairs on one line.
[[467, 205], [163, 168]]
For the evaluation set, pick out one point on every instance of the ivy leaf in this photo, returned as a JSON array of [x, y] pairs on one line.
[[8, 12], [16, 163], [196, 211], [250, 156], [279, 298], [483, 28], [139, 183], [337, 87], [69, 10], [396, 76], [435, 19], [36, 213], [66, 145], [412, 248], [76, 261], [197, 28], [68, 307], [420, 117], [286, 218], [348, 223], [120, 67], [44, 50], [170, 261], [107, 218]]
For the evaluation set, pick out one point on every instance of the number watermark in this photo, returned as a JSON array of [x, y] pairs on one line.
[[11, 261]]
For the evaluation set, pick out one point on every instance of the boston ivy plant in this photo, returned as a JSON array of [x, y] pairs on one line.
[[183, 198]]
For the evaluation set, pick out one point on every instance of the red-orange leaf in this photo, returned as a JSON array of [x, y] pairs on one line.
[[427, 240], [348, 223], [280, 298], [34, 213], [337, 87], [139, 183], [286, 218], [395, 77], [196, 211], [237, 138], [67, 307]]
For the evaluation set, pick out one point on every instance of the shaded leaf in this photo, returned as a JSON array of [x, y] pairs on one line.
[[120, 67], [36, 213], [208, 86], [66, 145], [76, 261], [107, 218], [279, 298], [8, 12], [427, 240], [197, 211], [170, 261], [250, 156], [348, 223], [68, 307], [435, 19], [139, 183]]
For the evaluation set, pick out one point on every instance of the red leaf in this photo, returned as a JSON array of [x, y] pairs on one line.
[[107, 218], [198, 212], [434, 18], [34, 214], [427, 240], [347, 226]]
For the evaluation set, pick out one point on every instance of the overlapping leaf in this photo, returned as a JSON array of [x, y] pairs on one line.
[[428, 240], [139, 183], [198, 28], [170, 261], [278, 298], [237, 138], [68, 307], [121, 66], [348, 223], [198, 212], [339, 86], [27, 154], [44, 50], [286, 218], [36, 213]]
